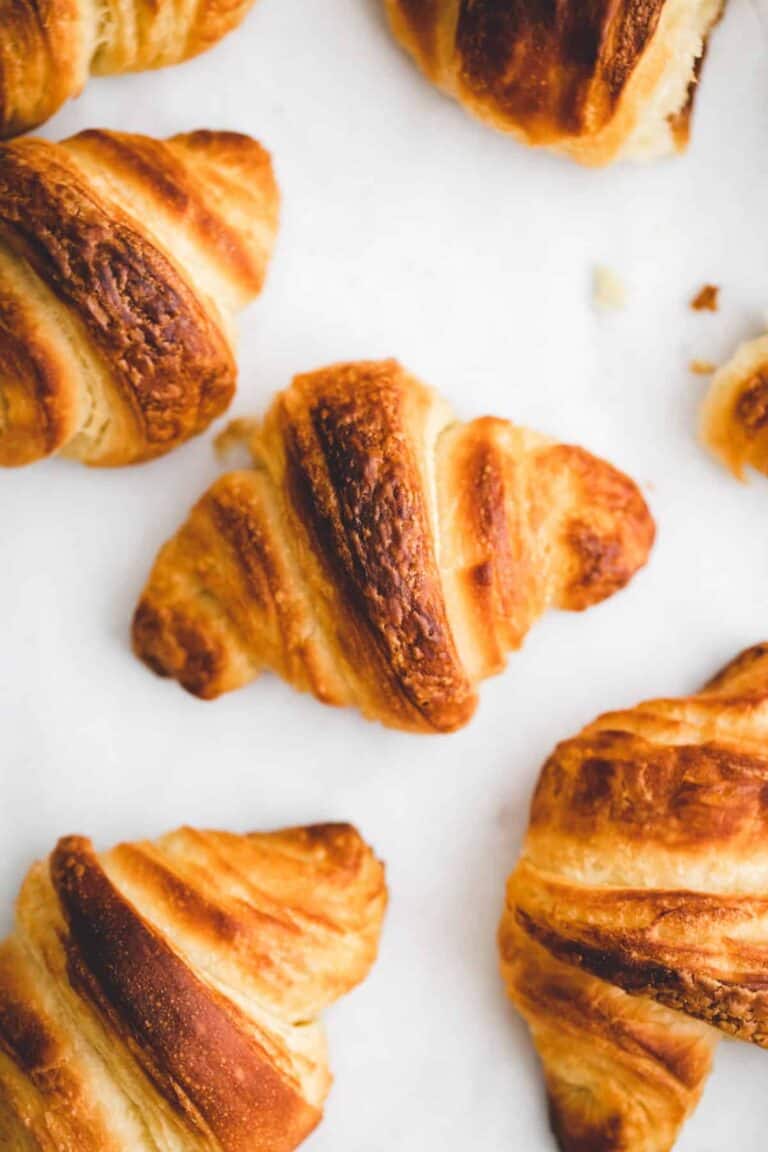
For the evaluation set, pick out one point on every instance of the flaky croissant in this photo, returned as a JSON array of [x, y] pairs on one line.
[[734, 423], [48, 51], [122, 262], [167, 995], [378, 553], [636, 923], [601, 81]]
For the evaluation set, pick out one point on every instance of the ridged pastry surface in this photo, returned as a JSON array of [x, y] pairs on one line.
[[48, 50], [123, 260], [636, 922], [167, 995], [381, 554], [598, 81]]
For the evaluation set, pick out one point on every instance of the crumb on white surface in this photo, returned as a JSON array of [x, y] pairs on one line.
[[702, 367], [707, 299], [609, 292]]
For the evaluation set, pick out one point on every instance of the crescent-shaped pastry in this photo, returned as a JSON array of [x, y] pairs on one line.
[[635, 931], [167, 995], [123, 261], [379, 553]]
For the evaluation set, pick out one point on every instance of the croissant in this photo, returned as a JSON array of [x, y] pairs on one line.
[[48, 51], [601, 81], [636, 923], [380, 554], [122, 262], [735, 415], [167, 995]]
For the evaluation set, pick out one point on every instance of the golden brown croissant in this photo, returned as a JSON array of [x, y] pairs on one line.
[[636, 923], [47, 51], [122, 262], [167, 995], [599, 81], [735, 416], [381, 554]]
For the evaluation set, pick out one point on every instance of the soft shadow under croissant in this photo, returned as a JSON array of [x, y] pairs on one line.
[[635, 931], [47, 52], [123, 261], [168, 994], [601, 81], [380, 554]]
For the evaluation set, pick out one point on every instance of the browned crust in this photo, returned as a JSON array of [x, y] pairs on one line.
[[504, 591], [173, 643], [48, 47], [322, 563], [554, 69], [172, 365], [37, 410], [196, 1048], [570, 76], [42, 1092], [643, 872], [621, 1071], [608, 532], [678, 796], [355, 484], [738, 1007], [25, 1035], [42, 60], [734, 419], [154, 167]]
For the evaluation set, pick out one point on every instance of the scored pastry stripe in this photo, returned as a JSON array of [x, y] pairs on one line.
[[193, 1044], [355, 486], [152, 331]]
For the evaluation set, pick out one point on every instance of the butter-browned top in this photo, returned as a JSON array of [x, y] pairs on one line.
[[169, 993], [167, 357], [559, 65], [354, 479], [197, 1049], [646, 861]]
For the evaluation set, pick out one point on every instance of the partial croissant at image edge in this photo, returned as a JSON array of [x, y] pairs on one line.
[[123, 262], [634, 930], [47, 60], [734, 417], [170, 992], [321, 562], [617, 82]]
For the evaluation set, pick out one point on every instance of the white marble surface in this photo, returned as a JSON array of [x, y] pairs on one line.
[[409, 229]]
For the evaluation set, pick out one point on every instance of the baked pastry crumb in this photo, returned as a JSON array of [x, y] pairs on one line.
[[609, 292], [707, 299], [702, 367]]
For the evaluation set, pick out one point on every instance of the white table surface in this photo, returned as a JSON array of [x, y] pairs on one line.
[[408, 229]]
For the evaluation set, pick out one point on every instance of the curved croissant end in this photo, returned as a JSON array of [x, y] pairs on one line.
[[122, 262], [599, 82], [45, 59], [734, 423], [168, 994], [382, 555], [636, 922]]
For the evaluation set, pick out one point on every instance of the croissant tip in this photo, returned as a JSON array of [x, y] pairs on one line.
[[176, 648]]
